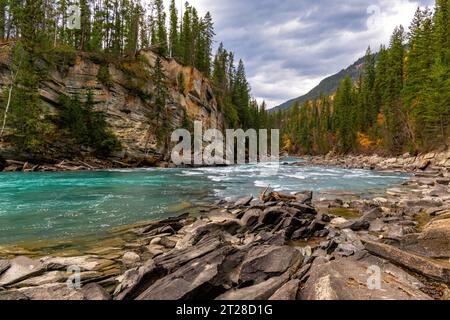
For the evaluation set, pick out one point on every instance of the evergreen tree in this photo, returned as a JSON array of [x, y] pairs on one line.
[[174, 38]]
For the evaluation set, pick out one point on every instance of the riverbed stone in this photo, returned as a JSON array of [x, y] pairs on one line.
[[21, 268], [52, 292], [47, 278], [288, 292], [85, 263], [131, 259], [258, 292], [435, 238], [245, 201], [4, 265], [348, 279], [437, 270], [263, 262], [94, 292], [197, 279], [12, 295], [251, 217]]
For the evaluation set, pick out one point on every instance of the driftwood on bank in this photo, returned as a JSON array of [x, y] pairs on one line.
[[275, 196]]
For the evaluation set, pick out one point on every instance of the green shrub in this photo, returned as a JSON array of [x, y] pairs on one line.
[[104, 76], [86, 126]]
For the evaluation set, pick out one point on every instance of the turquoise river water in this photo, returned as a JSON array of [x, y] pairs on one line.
[[40, 206]]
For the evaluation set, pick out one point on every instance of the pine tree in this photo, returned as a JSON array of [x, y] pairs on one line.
[[344, 116], [160, 95], [161, 31], [174, 38], [186, 36]]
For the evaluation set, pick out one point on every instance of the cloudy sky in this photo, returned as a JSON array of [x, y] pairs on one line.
[[288, 46]]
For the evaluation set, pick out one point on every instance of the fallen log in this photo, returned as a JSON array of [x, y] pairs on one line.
[[275, 196], [432, 269]]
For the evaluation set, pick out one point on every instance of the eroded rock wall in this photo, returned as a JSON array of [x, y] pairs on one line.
[[130, 115]]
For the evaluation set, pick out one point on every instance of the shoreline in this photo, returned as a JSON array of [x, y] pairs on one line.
[[405, 163], [405, 233]]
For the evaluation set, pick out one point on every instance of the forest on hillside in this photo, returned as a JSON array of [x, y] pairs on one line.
[[44, 33], [400, 103]]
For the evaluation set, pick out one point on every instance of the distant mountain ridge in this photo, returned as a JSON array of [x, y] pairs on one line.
[[327, 86]]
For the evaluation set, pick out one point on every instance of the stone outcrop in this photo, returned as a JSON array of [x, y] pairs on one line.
[[127, 101], [430, 162]]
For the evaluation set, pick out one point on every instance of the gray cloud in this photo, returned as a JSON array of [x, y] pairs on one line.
[[288, 46]]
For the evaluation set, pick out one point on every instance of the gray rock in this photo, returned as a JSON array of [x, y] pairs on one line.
[[348, 279], [58, 292], [288, 292], [263, 262], [251, 217], [21, 268], [51, 277], [12, 295], [345, 250], [131, 259], [259, 292], [304, 197], [4, 265], [433, 269], [372, 215], [85, 263], [94, 292], [198, 279], [435, 238], [272, 215], [244, 201]]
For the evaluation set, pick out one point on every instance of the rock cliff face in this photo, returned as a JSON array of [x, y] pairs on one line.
[[127, 99]]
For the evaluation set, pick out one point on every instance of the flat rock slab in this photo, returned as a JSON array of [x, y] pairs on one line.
[[21, 268], [288, 292], [85, 263], [433, 269], [263, 262], [350, 279], [435, 238], [195, 280], [244, 201], [4, 265], [52, 292], [259, 292]]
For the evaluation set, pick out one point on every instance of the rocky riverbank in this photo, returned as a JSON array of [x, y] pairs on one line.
[[280, 247], [430, 162], [89, 164]]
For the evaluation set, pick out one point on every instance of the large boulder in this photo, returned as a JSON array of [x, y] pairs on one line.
[[196, 280], [263, 262], [349, 279], [435, 238]]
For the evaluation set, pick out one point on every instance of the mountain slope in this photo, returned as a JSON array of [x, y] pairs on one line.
[[327, 86]]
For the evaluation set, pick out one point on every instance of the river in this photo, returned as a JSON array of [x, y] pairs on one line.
[[43, 206]]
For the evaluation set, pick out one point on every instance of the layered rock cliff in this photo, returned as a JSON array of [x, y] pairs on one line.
[[126, 100]]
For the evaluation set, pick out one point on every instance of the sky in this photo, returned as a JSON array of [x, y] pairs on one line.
[[289, 46]]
